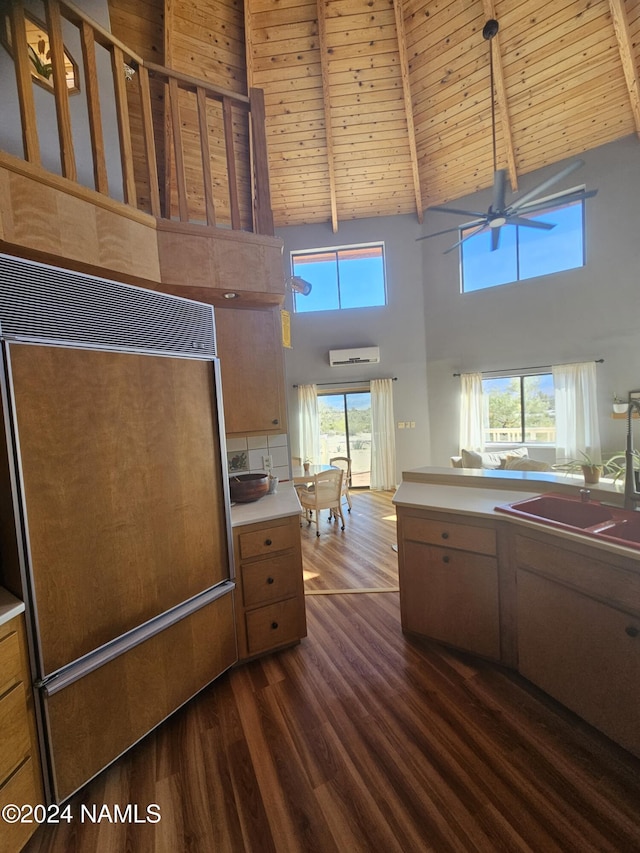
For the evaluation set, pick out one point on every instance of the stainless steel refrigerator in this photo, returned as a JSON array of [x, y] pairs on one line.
[[113, 508]]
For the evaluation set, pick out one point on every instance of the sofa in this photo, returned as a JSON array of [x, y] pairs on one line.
[[514, 459]]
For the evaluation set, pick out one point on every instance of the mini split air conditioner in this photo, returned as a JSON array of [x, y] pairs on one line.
[[363, 355]]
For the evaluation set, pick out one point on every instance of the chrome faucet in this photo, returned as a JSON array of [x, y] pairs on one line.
[[631, 494]]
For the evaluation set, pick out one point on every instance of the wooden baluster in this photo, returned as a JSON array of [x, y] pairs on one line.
[[124, 129], [205, 150], [181, 181], [30, 141], [227, 112], [60, 91], [93, 108], [149, 141], [262, 193]]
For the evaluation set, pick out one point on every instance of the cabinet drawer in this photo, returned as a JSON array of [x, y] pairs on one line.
[[466, 537], [15, 743], [275, 625], [10, 661], [590, 575], [21, 789], [263, 542], [270, 579]]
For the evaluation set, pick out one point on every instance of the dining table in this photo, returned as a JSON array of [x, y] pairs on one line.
[[301, 476]]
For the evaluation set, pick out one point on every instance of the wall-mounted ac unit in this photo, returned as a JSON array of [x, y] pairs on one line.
[[362, 355]]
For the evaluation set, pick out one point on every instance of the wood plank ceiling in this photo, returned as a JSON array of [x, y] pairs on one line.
[[381, 107]]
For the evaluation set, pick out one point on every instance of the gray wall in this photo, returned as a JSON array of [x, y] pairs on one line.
[[398, 329], [429, 330]]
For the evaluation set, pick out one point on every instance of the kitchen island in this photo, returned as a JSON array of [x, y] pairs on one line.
[[560, 607], [269, 594]]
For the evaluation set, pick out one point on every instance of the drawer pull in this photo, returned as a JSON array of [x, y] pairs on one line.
[[445, 535], [268, 542], [446, 559], [274, 625], [269, 580], [632, 631]]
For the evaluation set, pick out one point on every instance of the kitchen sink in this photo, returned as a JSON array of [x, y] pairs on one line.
[[563, 510], [572, 513], [627, 531]]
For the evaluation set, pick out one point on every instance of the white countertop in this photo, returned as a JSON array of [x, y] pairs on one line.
[[444, 490], [279, 505], [10, 606]]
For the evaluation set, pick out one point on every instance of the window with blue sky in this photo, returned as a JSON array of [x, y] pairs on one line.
[[523, 252], [349, 277]]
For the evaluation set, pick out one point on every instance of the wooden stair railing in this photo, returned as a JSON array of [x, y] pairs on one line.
[[160, 202]]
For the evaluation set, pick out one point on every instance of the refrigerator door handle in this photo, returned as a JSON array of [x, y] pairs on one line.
[[56, 681]]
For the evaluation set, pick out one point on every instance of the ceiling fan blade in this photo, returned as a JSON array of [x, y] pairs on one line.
[[530, 223], [456, 210], [566, 198], [519, 202], [466, 237], [449, 230], [495, 238], [499, 190]]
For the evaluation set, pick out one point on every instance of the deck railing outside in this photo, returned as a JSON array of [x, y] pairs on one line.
[[166, 189]]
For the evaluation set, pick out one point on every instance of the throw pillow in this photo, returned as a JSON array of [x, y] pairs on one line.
[[518, 463]]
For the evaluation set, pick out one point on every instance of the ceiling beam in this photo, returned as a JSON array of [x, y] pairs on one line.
[[408, 105], [629, 66], [324, 66], [501, 98]]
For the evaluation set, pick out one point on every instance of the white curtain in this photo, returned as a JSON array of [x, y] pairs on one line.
[[577, 428], [471, 412], [383, 435], [309, 423]]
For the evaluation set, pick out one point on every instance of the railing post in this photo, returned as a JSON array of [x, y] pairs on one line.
[[30, 141], [60, 91], [263, 214]]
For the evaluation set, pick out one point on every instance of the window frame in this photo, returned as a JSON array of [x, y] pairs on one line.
[[545, 211], [521, 376], [336, 250]]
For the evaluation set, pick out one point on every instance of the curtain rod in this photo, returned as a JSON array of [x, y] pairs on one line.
[[539, 367], [350, 382]]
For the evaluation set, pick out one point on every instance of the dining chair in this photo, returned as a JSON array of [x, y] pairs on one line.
[[324, 492], [345, 463]]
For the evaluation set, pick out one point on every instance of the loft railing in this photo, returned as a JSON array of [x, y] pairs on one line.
[[175, 167]]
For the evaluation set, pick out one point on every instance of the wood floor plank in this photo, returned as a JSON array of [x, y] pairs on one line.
[[360, 738]]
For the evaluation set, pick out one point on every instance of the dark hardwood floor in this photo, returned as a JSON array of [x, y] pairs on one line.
[[361, 739]]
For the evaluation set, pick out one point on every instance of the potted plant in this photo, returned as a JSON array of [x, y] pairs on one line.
[[620, 406], [591, 470]]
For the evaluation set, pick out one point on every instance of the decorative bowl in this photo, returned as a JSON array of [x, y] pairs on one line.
[[244, 488]]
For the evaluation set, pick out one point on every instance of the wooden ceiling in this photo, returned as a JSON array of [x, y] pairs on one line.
[[380, 107]]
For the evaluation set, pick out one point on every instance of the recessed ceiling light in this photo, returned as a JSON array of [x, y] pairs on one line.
[[231, 295]]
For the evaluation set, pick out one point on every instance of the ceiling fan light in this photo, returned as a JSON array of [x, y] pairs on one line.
[[497, 222]]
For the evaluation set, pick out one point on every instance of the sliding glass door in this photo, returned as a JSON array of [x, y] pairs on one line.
[[345, 430]]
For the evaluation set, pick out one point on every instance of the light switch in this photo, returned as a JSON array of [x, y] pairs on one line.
[[400, 424]]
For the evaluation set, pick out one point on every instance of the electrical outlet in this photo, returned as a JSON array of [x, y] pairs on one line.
[[267, 463]]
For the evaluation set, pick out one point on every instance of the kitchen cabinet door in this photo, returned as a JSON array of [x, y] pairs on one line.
[[582, 652], [249, 345]]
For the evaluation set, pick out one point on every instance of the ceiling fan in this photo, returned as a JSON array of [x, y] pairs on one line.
[[500, 213]]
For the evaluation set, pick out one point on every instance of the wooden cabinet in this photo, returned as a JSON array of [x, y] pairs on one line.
[[249, 345], [449, 586], [20, 771], [270, 609], [579, 632]]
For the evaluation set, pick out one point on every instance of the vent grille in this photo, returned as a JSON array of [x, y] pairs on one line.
[[41, 302]]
